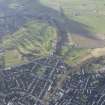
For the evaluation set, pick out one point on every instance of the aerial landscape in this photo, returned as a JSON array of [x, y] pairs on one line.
[[52, 52]]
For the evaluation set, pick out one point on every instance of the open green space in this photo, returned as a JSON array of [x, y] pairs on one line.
[[37, 38]]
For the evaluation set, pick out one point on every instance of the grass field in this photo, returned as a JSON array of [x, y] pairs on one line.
[[89, 12], [37, 38], [34, 38], [12, 58]]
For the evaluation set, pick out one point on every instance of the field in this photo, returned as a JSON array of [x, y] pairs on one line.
[[85, 30], [89, 12]]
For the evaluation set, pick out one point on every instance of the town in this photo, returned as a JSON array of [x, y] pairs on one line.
[[23, 85]]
